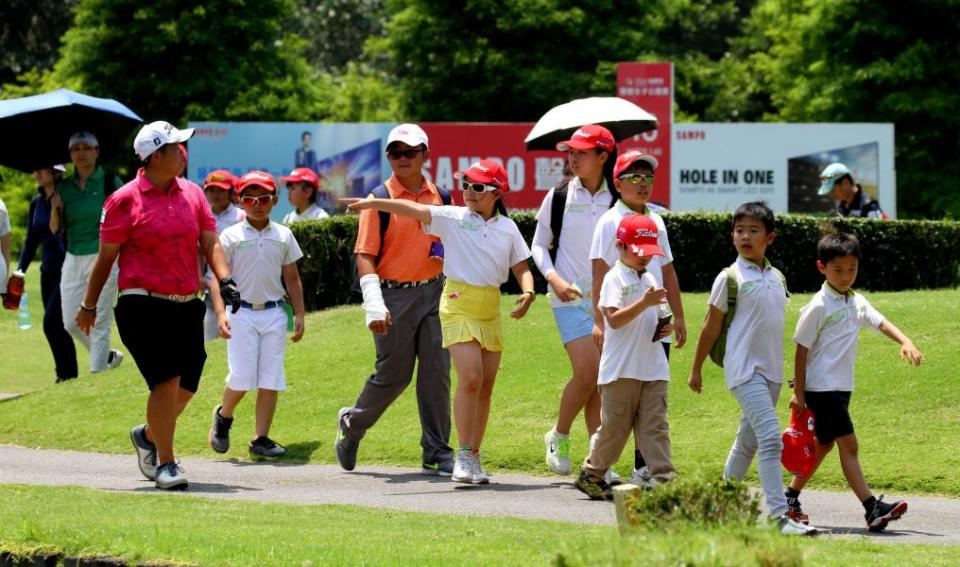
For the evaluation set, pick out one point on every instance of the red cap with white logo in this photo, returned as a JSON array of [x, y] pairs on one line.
[[256, 178], [587, 138], [486, 171], [304, 174], [627, 159], [639, 233]]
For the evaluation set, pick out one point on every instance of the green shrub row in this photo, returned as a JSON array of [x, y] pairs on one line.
[[897, 255]]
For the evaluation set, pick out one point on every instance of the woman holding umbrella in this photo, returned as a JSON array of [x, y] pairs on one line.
[[51, 262], [77, 205]]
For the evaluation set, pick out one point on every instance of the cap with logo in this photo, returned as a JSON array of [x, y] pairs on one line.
[[639, 233], [486, 171], [631, 157], [830, 175], [410, 134], [304, 174], [157, 134], [589, 137], [83, 137], [256, 178], [220, 178]]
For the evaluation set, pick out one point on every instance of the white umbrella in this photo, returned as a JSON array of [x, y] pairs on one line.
[[623, 118]]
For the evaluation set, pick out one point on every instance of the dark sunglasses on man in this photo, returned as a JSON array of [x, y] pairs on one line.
[[394, 155]]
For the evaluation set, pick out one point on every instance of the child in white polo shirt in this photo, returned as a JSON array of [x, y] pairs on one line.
[[259, 252], [482, 246], [634, 375], [753, 359], [826, 339]]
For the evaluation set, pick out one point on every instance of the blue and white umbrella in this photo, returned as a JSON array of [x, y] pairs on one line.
[[35, 130]]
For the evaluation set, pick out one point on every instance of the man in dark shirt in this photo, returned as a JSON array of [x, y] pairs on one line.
[[305, 156], [836, 180]]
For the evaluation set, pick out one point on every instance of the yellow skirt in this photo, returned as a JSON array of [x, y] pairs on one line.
[[471, 313]]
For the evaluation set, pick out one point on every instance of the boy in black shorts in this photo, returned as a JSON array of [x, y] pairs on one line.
[[826, 339]]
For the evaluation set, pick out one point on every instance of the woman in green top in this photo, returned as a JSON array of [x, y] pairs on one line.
[[77, 206]]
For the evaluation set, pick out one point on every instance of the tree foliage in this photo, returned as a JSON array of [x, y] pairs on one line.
[[177, 61], [30, 32]]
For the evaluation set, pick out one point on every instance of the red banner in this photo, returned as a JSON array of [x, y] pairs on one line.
[[650, 86]]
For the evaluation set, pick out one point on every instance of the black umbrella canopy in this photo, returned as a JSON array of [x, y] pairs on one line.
[[34, 131]]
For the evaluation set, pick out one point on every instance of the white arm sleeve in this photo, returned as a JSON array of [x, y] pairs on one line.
[[373, 298]]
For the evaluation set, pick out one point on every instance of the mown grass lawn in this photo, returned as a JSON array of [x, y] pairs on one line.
[[907, 418]]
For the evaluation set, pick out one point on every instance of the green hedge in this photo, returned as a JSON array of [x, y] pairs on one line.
[[897, 255]]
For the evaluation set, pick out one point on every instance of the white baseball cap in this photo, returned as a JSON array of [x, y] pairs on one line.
[[830, 175], [83, 137], [410, 134], [157, 134]]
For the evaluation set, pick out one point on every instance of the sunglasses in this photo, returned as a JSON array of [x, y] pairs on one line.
[[637, 178], [397, 154], [250, 201], [477, 187]]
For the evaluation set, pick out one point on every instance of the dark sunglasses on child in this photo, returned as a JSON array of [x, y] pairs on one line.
[[250, 201], [397, 154]]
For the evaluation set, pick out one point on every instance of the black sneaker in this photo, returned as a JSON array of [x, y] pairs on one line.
[[346, 447], [266, 447], [443, 468], [595, 489], [883, 513], [219, 436], [795, 511]]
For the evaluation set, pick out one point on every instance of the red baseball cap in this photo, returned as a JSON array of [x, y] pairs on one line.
[[629, 158], [639, 233], [304, 174], [799, 451], [256, 178], [587, 138], [220, 178], [486, 171]]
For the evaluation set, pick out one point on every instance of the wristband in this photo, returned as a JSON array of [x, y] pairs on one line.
[[530, 291], [84, 307], [373, 298]]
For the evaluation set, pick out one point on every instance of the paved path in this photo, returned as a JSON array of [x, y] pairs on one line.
[[929, 520]]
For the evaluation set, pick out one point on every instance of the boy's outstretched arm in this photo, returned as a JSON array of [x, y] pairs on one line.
[[799, 399], [709, 333], [397, 206], [295, 290], [907, 349]]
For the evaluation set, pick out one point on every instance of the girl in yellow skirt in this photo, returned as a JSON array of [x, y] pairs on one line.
[[484, 245]]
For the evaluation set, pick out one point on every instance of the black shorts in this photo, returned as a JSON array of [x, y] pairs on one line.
[[831, 414], [165, 338]]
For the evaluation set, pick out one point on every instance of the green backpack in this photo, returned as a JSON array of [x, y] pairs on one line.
[[720, 347]]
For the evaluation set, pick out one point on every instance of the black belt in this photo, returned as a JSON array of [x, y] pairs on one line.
[[394, 284]]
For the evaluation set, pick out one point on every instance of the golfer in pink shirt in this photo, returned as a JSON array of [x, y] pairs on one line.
[[154, 225]]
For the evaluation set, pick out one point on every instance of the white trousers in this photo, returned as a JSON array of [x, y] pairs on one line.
[[255, 350], [73, 286]]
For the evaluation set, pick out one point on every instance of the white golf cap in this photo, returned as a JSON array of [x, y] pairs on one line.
[[83, 137], [157, 134], [830, 175], [410, 134]]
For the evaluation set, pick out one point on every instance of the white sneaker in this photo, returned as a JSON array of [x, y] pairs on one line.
[[170, 477], [463, 468], [791, 527], [114, 359], [479, 477], [642, 478], [612, 478], [558, 451]]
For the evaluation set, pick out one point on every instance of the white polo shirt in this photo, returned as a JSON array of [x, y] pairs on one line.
[[257, 257], [580, 216], [629, 352], [313, 212], [477, 252], [228, 217], [755, 336], [828, 327]]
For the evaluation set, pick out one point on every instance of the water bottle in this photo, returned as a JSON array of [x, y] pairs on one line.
[[24, 321]]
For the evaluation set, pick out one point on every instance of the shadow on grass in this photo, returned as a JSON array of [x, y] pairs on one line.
[[889, 533]]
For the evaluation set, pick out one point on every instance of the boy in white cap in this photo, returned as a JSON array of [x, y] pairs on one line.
[[837, 181], [259, 252]]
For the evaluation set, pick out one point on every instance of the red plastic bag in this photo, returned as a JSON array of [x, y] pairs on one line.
[[799, 449]]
